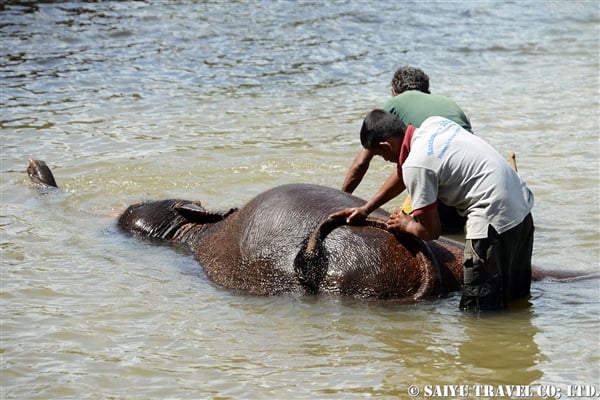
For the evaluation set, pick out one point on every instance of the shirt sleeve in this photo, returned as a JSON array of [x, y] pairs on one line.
[[422, 185]]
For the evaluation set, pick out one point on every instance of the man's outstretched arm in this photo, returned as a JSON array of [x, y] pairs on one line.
[[357, 171]]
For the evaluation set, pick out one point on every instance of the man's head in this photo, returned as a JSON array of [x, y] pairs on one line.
[[382, 134], [409, 78]]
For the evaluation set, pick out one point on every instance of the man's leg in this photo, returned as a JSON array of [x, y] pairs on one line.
[[497, 270], [482, 288], [519, 241]]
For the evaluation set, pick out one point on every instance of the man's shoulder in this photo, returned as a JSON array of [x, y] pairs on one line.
[[416, 97], [409, 95], [441, 99]]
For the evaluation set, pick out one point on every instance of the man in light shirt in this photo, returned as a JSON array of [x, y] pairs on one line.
[[442, 160]]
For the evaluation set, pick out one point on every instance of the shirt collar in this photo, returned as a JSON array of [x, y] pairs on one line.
[[405, 148]]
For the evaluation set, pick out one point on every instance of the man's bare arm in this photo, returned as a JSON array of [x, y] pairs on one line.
[[357, 171], [391, 188]]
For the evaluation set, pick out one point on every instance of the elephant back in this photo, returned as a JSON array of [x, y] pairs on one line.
[[254, 249]]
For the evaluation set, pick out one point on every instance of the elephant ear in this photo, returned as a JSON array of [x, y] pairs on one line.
[[195, 213]]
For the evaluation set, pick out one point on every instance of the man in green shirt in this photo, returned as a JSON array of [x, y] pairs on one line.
[[412, 104]]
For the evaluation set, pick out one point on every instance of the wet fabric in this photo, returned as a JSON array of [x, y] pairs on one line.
[[497, 269]]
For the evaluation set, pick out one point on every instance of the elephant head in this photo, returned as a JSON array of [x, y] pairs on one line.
[[173, 219]]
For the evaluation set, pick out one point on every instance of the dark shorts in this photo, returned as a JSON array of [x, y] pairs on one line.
[[497, 270]]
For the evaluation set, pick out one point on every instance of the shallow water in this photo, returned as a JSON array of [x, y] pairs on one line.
[[221, 101]]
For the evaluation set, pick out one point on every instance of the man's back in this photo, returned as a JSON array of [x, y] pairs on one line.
[[413, 107], [464, 171]]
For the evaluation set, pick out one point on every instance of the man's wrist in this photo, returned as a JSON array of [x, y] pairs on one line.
[[367, 209]]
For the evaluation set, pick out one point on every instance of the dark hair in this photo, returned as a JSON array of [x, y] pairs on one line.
[[378, 126], [410, 78]]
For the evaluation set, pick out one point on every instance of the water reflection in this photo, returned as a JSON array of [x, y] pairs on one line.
[[452, 348], [501, 349]]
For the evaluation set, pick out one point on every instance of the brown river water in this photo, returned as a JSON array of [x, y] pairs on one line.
[[219, 101]]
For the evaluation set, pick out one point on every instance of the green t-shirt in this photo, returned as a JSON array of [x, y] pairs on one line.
[[413, 107]]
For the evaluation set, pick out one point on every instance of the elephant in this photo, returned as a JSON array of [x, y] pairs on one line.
[[282, 241]]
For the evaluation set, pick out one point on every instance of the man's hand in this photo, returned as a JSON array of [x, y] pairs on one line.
[[398, 221], [351, 214], [425, 226]]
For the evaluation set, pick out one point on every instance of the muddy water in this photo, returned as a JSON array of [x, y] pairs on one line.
[[220, 101]]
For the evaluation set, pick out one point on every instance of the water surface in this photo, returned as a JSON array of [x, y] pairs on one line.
[[220, 101]]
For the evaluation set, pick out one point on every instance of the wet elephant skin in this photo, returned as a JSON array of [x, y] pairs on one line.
[[256, 249]]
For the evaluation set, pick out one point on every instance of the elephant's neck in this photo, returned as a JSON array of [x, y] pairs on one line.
[[190, 233]]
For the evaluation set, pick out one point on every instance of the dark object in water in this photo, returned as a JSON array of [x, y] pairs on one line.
[[40, 173]]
